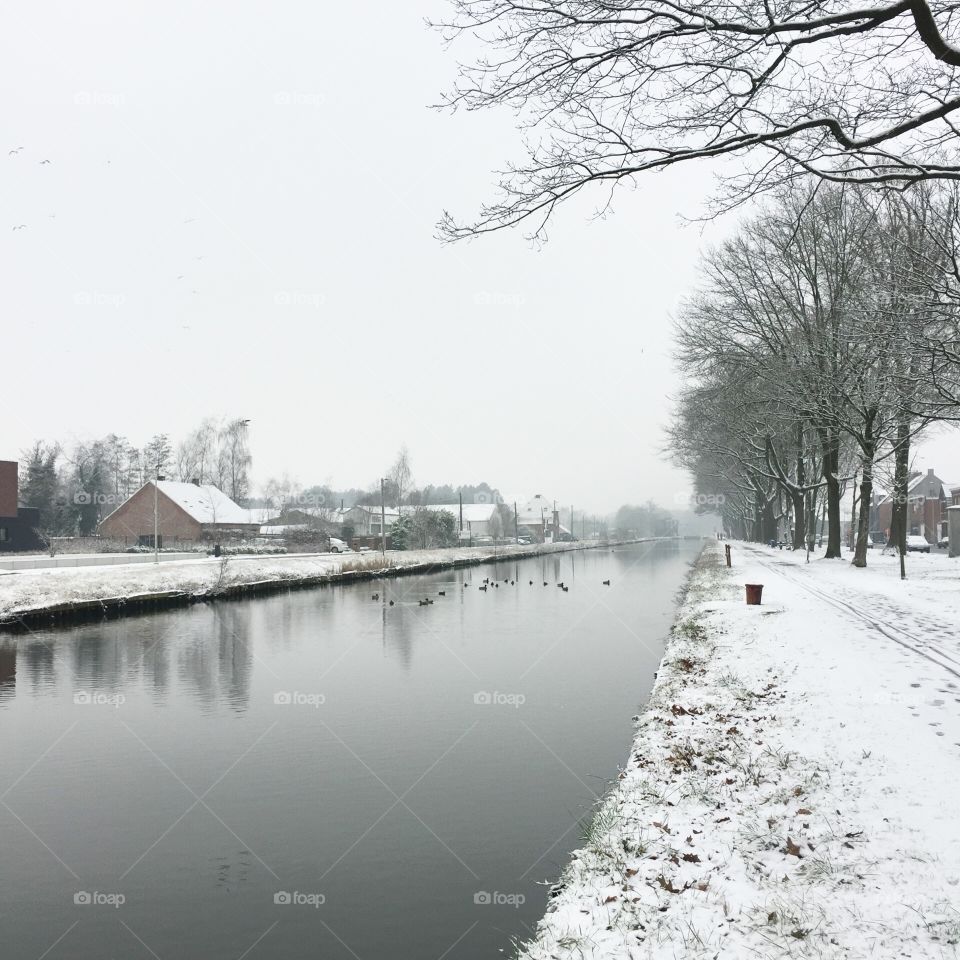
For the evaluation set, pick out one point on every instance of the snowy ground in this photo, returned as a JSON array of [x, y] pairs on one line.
[[793, 787], [30, 590]]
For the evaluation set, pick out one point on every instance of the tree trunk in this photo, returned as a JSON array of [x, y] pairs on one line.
[[866, 495], [831, 469], [798, 499], [854, 506], [901, 479], [799, 520], [768, 521]]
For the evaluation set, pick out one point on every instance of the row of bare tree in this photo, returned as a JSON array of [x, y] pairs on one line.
[[824, 339]]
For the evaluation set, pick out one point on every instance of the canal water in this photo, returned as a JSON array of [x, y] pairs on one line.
[[322, 773]]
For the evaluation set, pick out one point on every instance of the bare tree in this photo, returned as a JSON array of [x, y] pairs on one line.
[[608, 90], [401, 475], [800, 359], [234, 460], [196, 454]]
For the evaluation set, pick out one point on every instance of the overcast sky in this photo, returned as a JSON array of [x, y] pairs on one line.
[[238, 219]]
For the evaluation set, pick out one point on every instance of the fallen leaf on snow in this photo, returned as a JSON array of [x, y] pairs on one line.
[[791, 849]]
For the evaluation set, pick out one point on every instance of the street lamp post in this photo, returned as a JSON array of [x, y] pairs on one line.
[[383, 524]]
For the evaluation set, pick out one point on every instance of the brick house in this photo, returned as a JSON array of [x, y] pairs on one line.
[[18, 525], [927, 502], [186, 513]]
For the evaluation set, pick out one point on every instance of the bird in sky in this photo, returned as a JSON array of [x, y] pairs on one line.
[[190, 220], [22, 226], [42, 162], [11, 153]]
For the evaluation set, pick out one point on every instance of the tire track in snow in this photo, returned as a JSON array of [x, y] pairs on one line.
[[897, 634]]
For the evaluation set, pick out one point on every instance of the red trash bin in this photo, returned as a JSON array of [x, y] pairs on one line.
[[754, 593]]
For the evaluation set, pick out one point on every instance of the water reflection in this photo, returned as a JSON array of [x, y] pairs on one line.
[[209, 646], [305, 797], [37, 662], [8, 672]]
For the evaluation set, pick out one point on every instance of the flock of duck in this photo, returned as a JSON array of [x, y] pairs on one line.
[[484, 586]]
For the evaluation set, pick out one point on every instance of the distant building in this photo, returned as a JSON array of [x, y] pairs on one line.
[[18, 525], [927, 500], [539, 519], [366, 520], [186, 513], [476, 517]]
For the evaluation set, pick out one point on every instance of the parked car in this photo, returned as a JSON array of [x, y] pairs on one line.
[[524, 541], [338, 546], [917, 544], [943, 543]]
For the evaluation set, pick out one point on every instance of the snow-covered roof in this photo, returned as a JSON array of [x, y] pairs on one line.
[[529, 510], [206, 503], [472, 512], [375, 509]]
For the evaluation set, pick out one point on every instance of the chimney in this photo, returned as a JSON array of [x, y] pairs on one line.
[[930, 472], [195, 481]]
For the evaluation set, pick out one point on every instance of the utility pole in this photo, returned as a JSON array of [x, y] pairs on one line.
[[460, 537], [516, 524], [383, 523]]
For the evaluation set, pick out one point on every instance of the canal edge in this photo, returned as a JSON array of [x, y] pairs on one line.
[[72, 612]]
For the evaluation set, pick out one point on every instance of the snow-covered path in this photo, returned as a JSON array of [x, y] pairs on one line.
[[792, 790], [922, 614]]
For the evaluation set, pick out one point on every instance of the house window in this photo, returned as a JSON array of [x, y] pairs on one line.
[[4, 534], [146, 540], [375, 528]]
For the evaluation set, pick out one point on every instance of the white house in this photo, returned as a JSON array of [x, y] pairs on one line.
[[476, 517], [366, 520]]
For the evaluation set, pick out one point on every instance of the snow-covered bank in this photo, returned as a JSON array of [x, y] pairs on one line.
[[792, 789], [29, 594]]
